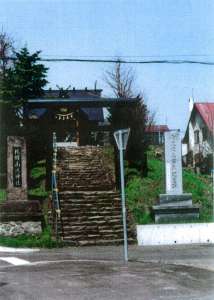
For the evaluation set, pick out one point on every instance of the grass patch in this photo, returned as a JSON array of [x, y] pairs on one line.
[[43, 240], [3, 195], [37, 179], [142, 193], [38, 172], [38, 192]]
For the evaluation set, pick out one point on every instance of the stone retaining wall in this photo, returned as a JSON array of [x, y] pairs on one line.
[[17, 228]]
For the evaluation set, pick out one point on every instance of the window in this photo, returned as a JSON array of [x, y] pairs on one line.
[[204, 133], [196, 136]]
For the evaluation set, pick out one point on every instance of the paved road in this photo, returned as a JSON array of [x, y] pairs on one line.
[[98, 273]]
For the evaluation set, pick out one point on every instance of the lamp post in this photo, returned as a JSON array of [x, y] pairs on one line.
[[121, 137]]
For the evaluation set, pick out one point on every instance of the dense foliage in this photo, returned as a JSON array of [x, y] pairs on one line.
[[133, 116], [25, 79]]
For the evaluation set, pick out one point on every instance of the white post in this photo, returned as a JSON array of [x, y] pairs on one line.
[[123, 199]]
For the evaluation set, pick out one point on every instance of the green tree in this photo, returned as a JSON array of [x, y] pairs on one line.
[[121, 80], [25, 79]]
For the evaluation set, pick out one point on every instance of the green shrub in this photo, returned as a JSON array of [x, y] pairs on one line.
[[38, 172]]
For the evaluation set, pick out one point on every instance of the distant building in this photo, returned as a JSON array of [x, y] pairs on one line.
[[155, 134], [199, 136]]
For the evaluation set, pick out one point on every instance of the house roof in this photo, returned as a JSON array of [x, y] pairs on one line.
[[75, 102], [157, 128], [72, 93], [206, 110]]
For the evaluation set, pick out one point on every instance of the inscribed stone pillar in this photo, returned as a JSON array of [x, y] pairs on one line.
[[174, 205], [173, 164], [16, 168]]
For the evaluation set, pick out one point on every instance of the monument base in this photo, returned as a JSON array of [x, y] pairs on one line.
[[173, 208], [23, 210]]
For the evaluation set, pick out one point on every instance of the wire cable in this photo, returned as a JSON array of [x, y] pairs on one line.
[[122, 61]]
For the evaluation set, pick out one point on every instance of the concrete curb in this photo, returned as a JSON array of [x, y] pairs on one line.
[[18, 250]]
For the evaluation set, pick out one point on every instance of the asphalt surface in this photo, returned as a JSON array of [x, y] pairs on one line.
[[178, 272]]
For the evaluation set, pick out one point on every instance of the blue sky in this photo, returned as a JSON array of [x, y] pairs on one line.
[[165, 28]]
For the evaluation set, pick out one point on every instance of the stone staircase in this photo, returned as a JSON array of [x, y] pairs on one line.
[[83, 169], [90, 204]]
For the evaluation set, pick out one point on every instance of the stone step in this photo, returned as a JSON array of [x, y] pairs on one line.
[[90, 202], [101, 203], [170, 213], [92, 234], [89, 193], [93, 216], [83, 221], [104, 185], [81, 168], [87, 173], [183, 199], [111, 211], [88, 225], [81, 160], [95, 199], [94, 211], [84, 188], [80, 180], [99, 242], [108, 194]]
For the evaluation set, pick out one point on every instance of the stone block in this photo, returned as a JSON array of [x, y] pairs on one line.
[[182, 199], [174, 213], [13, 229], [29, 210]]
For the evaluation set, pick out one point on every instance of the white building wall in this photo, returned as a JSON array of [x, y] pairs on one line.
[[204, 146], [191, 137]]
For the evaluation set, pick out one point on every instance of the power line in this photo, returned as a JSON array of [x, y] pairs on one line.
[[128, 56], [122, 61]]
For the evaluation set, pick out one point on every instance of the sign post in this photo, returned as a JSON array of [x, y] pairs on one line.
[[121, 138]]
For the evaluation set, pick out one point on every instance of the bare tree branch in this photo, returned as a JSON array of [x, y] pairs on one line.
[[6, 48]]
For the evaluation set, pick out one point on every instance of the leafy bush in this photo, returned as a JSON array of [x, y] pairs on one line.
[[38, 171]]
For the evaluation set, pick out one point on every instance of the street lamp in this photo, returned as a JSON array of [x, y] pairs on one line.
[[121, 137]]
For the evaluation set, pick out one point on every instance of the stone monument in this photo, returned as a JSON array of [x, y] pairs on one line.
[[18, 215], [16, 168], [174, 205]]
